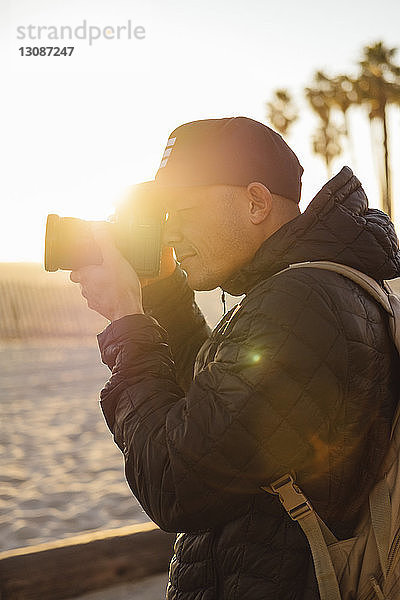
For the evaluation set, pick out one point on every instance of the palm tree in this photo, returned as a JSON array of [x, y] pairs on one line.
[[326, 140], [339, 95], [377, 86], [326, 143], [281, 111], [343, 97], [318, 99]]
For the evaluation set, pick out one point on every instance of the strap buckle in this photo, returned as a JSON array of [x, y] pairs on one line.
[[291, 497]]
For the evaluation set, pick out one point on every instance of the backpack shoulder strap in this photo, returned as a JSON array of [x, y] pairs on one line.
[[384, 296], [286, 488]]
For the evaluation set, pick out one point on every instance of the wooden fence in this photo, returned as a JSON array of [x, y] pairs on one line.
[[33, 307]]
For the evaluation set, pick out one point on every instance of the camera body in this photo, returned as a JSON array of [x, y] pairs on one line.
[[136, 230]]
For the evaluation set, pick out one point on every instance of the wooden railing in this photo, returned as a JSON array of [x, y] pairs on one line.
[[84, 563]]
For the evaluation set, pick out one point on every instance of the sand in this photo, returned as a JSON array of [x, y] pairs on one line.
[[60, 471]]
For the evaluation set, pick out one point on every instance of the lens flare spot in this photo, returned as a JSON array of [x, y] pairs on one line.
[[255, 358]]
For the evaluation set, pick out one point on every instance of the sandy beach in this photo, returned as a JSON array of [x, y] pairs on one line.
[[61, 473]]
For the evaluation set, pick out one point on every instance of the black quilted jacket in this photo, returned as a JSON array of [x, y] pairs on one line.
[[301, 376]]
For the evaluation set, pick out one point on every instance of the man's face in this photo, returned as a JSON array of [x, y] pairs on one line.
[[209, 230]]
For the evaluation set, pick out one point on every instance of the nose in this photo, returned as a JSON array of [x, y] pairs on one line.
[[172, 234]]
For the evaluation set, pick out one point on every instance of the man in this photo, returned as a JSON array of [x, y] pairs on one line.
[[300, 377]]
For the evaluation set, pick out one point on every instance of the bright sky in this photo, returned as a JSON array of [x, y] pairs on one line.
[[75, 131]]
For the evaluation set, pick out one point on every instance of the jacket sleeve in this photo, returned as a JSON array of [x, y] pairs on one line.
[[171, 302], [264, 406]]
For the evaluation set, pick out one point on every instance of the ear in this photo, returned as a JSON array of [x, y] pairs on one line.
[[259, 202]]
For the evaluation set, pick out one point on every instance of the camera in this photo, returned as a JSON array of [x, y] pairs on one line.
[[136, 229]]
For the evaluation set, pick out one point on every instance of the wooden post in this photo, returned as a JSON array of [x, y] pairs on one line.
[[84, 563]]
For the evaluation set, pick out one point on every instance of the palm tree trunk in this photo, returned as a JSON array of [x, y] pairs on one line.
[[376, 146], [387, 206], [328, 169], [326, 156], [349, 139]]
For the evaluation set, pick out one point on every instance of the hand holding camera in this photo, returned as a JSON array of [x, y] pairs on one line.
[[111, 288], [112, 261]]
